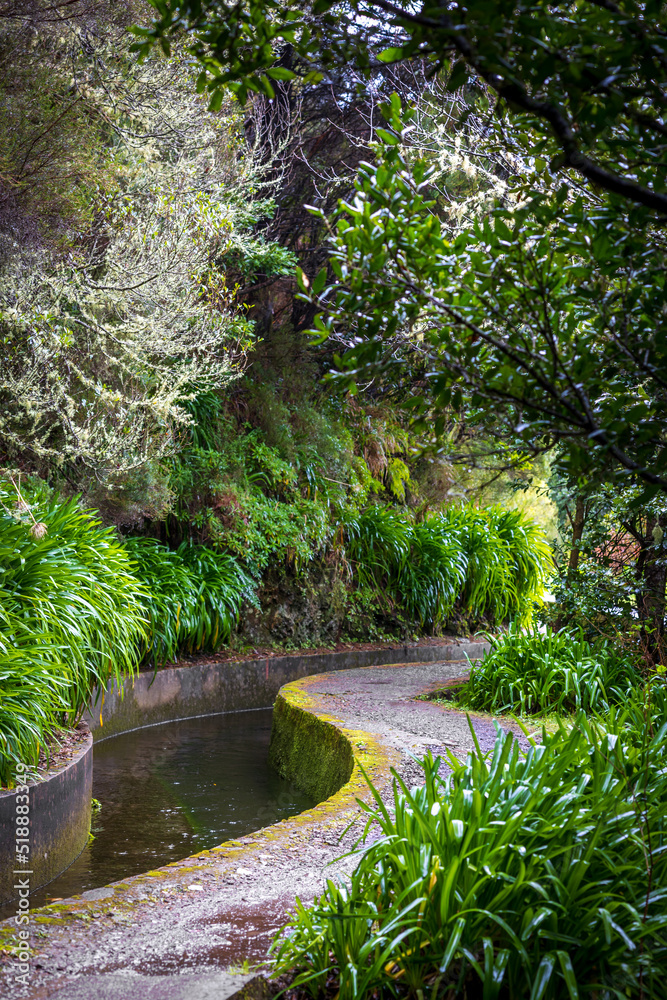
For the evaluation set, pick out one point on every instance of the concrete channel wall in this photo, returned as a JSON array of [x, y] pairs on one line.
[[59, 815], [60, 805], [203, 688]]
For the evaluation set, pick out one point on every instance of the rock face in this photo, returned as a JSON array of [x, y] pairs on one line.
[[317, 607], [302, 610]]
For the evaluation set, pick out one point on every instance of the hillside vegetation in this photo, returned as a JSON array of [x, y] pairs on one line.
[[175, 474], [327, 322]]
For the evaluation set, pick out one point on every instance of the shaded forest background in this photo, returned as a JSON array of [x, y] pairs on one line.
[[156, 358]]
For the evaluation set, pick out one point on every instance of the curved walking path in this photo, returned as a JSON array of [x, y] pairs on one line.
[[168, 934]]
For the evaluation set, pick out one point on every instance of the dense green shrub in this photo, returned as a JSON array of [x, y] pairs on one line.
[[539, 876], [489, 562], [34, 689], [71, 617], [421, 567], [193, 596], [508, 560], [539, 672], [79, 608], [65, 576]]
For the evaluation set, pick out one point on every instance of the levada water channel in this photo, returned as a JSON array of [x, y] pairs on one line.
[[171, 790]]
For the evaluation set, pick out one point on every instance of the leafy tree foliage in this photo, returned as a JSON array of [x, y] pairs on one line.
[[550, 304], [555, 303], [591, 75], [610, 565]]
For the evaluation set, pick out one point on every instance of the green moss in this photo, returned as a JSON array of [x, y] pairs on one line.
[[7, 940], [315, 751], [308, 751]]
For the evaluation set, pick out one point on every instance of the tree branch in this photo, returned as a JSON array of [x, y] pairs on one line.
[[515, 93]]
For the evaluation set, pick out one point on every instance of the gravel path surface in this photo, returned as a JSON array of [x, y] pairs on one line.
[[223, 906]]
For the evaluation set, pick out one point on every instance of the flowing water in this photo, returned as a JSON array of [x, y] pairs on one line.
[[172, 790]]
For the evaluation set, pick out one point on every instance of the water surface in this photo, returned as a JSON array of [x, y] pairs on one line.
[[172, 790]]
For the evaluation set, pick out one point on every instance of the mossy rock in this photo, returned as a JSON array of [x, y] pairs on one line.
[[308, 751]]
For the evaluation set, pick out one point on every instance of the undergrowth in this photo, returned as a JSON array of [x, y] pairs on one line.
[[71, 618], [535, 673], [194, 596], [538, 875], [487, 562], [81, 607]]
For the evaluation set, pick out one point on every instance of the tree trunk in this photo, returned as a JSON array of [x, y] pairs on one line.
[[577, 534], [652, 576]]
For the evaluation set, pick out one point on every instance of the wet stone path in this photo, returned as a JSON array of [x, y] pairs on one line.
[[175, 932]]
